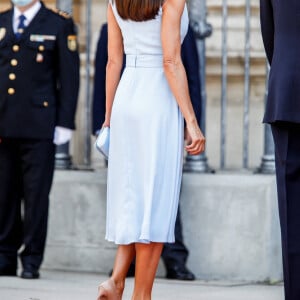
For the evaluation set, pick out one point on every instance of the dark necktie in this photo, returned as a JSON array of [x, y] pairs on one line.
[[21, 26]]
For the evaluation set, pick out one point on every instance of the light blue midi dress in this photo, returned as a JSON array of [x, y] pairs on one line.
[[146, 141]]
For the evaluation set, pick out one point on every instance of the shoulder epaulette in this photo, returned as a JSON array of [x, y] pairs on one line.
[[61, 13]]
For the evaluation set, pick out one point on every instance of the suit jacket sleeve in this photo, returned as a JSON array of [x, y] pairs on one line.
[[190, 59], [68, 75], [267, 27], [99, 81]]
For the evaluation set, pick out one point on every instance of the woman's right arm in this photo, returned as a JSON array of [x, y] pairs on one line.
[[175, 72], [114, 62]]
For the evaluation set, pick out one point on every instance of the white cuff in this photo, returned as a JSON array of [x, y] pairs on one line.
[[62, 135]]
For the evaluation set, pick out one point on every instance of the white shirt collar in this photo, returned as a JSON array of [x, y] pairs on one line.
[[29, 14]]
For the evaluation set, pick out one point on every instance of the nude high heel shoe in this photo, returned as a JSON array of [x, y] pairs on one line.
[[108, 291]]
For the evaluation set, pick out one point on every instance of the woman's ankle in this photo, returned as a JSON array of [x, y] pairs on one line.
[[141, 295], [120, 284]]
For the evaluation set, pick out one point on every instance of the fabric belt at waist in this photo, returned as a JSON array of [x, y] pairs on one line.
[[144, 61]]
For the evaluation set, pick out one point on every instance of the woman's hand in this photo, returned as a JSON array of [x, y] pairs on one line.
[[195, 139], [106, 123]]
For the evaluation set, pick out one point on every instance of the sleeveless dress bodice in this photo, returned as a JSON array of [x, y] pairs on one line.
[[142, 38]]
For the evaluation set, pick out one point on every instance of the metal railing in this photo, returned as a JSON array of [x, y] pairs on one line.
[[202, 30], [267, 164], [62, 158], [247, 83], [268, 160], [224, 83], [87, 125], [198, 19]]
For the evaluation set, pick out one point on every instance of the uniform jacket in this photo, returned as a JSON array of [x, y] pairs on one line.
[[189, 58], [39, 75], [280, 24]]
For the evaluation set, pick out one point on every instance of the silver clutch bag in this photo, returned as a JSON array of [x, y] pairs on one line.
[[102, 141]]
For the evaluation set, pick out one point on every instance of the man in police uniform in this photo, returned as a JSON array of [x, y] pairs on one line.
[[39, 79]]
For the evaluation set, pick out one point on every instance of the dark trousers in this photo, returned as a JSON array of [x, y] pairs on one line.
[[287, 158], [26, 172], [175, 253]]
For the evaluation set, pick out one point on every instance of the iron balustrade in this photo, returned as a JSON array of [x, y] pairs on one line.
[[88, 101], [63, 159], [224, 83], [268, 160], [202, 30], [247, 84]]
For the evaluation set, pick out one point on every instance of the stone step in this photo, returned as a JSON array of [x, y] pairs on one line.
[[230, 225]]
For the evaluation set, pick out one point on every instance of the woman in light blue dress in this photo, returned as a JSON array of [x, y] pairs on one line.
[[145, 110]]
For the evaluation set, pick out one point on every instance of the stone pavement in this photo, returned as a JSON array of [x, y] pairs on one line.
[[83, 286]]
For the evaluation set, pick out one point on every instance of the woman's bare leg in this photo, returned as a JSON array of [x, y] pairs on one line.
[[125, 255], [147, 259], [112, 289]]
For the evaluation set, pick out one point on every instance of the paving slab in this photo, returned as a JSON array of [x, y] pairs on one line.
[[54, 285]]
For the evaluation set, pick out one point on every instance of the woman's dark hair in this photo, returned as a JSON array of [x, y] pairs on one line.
[[138, 10]]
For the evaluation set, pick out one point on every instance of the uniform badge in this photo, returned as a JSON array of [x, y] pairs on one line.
[[72, 42], [2, 33]]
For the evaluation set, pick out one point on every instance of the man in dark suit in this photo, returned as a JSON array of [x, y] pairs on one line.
[[174, 255], [39, 79], [280, 25]]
